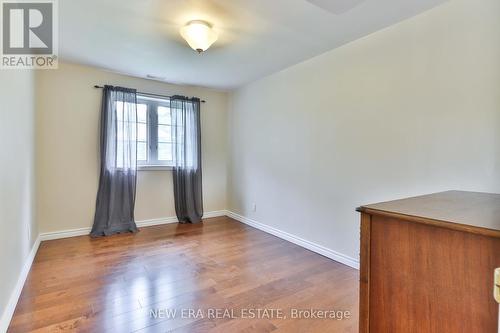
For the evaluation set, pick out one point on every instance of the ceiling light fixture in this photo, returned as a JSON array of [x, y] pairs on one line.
[[199, 35]]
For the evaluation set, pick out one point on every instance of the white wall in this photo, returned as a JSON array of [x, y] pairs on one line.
[[67, 126], [18, 230], [412, 109]]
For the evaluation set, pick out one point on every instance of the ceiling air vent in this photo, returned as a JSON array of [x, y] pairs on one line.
[[154, 77], [336, 7]]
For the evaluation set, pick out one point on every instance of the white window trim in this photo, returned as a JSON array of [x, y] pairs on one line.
[[154, 167]]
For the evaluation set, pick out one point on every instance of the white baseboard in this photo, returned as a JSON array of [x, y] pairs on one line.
[[215, 213], [141, 224], [160, 221], [329, 253], [16, 293], [64, 234]]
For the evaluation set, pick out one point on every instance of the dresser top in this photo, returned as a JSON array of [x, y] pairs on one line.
[[469, 211]]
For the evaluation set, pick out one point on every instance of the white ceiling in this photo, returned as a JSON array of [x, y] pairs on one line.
[[256, 37]]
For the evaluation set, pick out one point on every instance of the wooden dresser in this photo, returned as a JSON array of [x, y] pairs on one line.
[[427, 264]]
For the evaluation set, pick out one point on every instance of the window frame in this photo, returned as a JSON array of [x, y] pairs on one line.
[[152, 162]]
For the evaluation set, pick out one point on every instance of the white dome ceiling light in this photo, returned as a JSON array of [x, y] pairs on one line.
[[199, 35]]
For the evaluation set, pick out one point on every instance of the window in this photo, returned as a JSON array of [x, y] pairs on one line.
[[126, 136], [154, 131]]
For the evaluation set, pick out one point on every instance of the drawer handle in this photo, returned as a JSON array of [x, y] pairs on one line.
[[496, 291]]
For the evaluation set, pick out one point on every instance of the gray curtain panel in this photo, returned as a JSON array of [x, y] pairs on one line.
[[186, 150], [118, 149]]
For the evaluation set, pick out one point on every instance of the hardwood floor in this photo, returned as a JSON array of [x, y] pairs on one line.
[[119, 283]]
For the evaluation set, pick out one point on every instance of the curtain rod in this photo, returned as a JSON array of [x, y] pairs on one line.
[[147, 94]]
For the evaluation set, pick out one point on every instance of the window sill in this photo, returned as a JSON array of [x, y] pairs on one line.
[[154, 168]]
